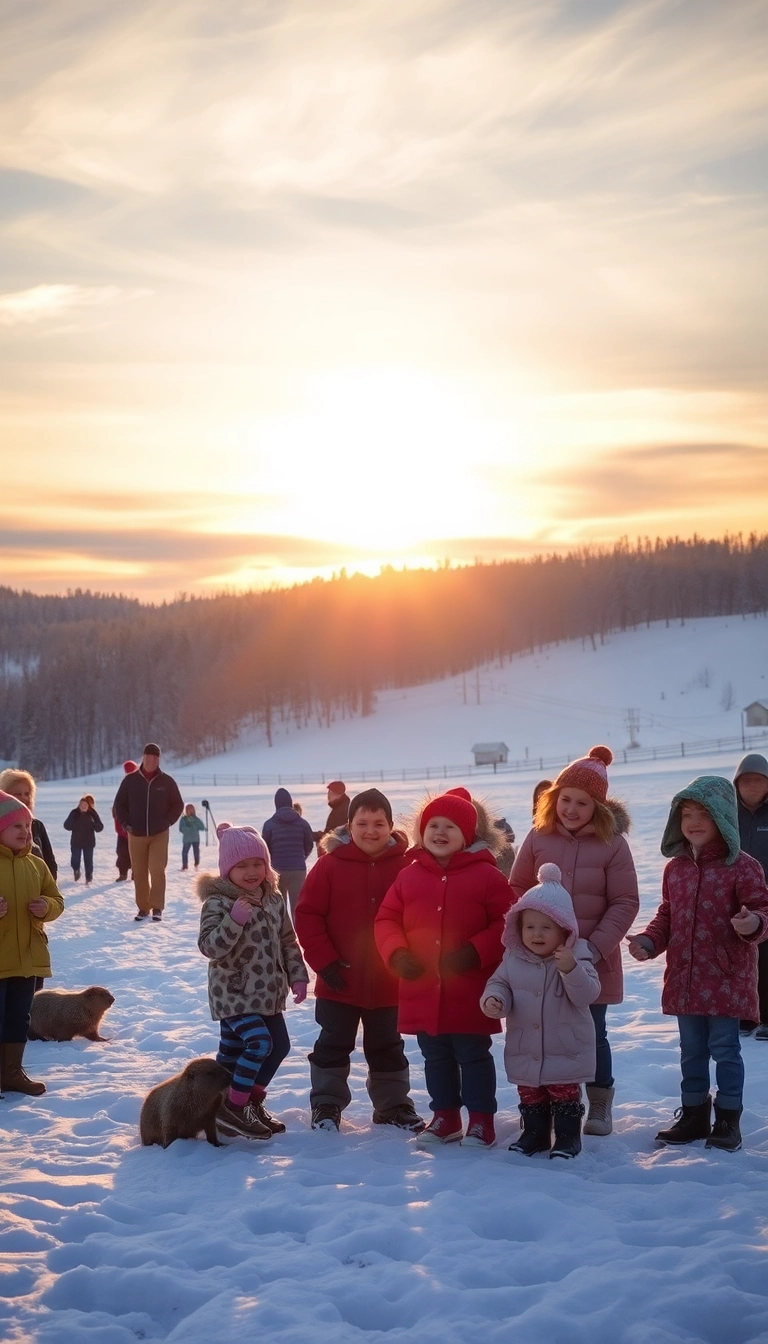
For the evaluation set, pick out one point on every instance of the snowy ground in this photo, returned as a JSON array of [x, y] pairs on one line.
[[357, 1236]]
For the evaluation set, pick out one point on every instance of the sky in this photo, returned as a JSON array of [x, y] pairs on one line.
[[286, 287]]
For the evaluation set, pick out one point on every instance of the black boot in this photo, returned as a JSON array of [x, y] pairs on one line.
[[725, 1131], [537, 1129], [567, 1117], [691, 1122]]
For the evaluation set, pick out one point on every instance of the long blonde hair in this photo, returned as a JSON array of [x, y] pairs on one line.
[[546, 821]]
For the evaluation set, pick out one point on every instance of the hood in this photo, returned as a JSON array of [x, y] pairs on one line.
[[751, 764], [551, 898], [287, 816], [718, 796], [283, 799], [341, 843], [487, 835]]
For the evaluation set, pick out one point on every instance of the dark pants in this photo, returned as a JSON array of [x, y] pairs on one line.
[[603, 1063], [87, 856], [253, 1047], [382, 1043], [762, 985], [702, 1039], [15, 1005], [459, 1070], [186, 845], [123, 860]]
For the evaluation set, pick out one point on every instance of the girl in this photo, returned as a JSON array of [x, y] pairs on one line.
[[254, 957], [84, 822], [439, 929], [29, 898], [544, 987], [190, 826], [20, 784], [581, 830]]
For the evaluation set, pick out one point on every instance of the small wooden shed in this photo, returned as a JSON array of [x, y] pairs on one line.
[[490, 753], [756, 714]]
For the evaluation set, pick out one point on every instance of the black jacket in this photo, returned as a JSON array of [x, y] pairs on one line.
[[42, 845], [84, 826], [148, 806], [753, 832]]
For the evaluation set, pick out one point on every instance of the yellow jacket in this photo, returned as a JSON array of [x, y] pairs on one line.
[[23, 941]]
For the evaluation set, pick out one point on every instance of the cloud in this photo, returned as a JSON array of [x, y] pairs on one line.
[[45, 302]]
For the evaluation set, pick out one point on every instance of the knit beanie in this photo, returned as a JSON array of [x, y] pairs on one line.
[[337, 788], [373, 800], [130, 767], [11, 810], [551, 898], [588, 774], [458, 807], [237, 843]]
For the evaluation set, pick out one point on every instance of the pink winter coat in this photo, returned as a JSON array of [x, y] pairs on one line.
[[711, 970], [433, 910], [602, 883]]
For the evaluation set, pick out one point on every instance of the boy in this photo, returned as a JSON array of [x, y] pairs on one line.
[[751, 780], [713, 912]]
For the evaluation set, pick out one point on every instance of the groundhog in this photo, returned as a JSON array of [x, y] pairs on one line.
[[180, 1107], [61, 1014]]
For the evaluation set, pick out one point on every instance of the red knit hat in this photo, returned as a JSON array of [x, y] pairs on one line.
[[458, 807], [12, 810], [130, 767], [588, 774]]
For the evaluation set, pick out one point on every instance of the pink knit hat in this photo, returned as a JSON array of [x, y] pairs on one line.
[[11, 810], [458, 807], [588, 774], [237, 843]]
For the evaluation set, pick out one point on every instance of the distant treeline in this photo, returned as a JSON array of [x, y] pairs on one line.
[[86, 679]]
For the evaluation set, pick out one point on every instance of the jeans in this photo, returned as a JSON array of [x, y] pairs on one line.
[[186, 845], [459, 1070], [87, 860], [603, 1063], [15, 1005], [704, 1038], [253, 1047]]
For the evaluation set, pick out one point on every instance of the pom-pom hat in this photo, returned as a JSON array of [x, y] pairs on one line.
[[237, 843], [552, 899], [458, 807], [588, 774], [12, 810]]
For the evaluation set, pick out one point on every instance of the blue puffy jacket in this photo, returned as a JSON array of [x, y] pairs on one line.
[[288, 836]]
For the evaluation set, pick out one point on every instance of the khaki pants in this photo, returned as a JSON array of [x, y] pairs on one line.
[[149, 856]]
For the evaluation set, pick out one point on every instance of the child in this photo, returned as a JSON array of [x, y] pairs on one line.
[[190, 826], [439, 929], [84, 822], [29, 898], [544, 987], [253, 957], [335, 923], [122, 851], [578, 827], [751, 780], [713, 912]]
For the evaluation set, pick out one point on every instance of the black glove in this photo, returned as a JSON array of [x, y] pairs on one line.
[[332, 976], [405, 964], [465, 958]]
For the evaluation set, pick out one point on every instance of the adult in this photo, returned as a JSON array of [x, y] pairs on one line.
[[290, 842], [338, 802], [751, 781], [20, 784], [83, 823], [334, 923], [122, 853], [147, 804]]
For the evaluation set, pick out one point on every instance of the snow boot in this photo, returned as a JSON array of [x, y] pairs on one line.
[[762, 1032], [444, 1127], [392, 1105], [536, 1136], [691, 1123], [726, 1133], [599, 1120], [326, 1116], [13, 1077], [567, 1117], [240, 1122], [480, 1131], [258, 1097]]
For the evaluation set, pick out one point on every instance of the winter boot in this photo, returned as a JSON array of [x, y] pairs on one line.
[[392, 1105], [444, 1127], [762, 1032], [258, 1097], [240, 1122], [691, 1122], [725, 1131], [567, 1117], [326, 1116], [599, 1120], [14, 1079], [480, 1131], [537, 1129]]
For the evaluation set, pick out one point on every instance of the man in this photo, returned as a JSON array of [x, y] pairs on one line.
[[290, 842], [751, 781], [334, 924], [338, 802], [146, 805]]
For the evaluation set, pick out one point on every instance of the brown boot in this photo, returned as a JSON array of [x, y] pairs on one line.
[[14, 1079]]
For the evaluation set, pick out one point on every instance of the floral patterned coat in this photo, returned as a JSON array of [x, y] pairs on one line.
[[250, 968]]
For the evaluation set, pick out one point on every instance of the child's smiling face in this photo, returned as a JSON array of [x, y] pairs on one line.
[[17, 836], [442, 838], [539, 933], [697, 825], [248, 874], [574, 808]]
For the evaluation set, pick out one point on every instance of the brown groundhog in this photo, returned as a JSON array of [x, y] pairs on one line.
[[180, 1107], [61, 1014]]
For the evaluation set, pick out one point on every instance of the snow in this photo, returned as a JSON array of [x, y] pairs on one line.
[[359, 1236]]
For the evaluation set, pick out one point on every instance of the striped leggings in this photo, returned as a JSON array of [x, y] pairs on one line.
[[252, 1047]]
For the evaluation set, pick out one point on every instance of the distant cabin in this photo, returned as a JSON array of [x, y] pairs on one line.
[[756, 714], [490, 753]]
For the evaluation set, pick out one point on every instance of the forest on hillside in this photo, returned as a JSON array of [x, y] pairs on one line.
[[86, 679]]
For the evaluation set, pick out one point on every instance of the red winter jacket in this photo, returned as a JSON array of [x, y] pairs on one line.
[[433, 910], [335, 914], [711, 970]]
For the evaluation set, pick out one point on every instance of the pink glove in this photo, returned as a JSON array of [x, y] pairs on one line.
[[299, 991], [241, 911]]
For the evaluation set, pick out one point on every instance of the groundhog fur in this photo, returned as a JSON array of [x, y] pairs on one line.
[[61, 1014], [180, 1107]]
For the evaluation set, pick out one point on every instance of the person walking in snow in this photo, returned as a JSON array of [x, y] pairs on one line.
[[713, 913], [190, 826], [582, 830], [751, 781], [439, 929], [147, 804], [544, 987], [122, 852], [290, 841], [253, 960], [83, 823], [335, 925]]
